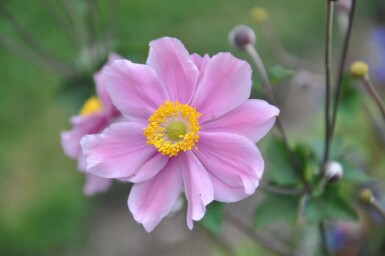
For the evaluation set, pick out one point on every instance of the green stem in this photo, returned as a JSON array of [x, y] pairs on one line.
[[377, 205], [270, 244], [373, 92], [281, 190], [328, 69], [342, 66], [260, 67], [322, 230]]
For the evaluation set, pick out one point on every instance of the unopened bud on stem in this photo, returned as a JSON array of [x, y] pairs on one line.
[[241, 36], [259, 14], [359, 69], [366, 195], [333, 171]]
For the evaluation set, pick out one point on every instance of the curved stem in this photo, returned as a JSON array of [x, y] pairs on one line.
[[272, 245], [260, 67], [373, 92]]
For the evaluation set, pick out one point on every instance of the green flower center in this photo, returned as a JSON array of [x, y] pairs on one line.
[[175, 130]]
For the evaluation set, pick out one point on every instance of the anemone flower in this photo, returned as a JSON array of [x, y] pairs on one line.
[[95, 115], [191, 128]]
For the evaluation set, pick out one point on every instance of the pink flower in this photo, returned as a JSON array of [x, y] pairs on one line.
[[95, 115], [191, 128]]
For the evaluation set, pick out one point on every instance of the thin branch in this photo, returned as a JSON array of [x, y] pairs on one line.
[[219, 242], [324, 244], [342, 66], [380, 209], [59, 20], [269, 93], [270, 244], [280, 190], [288, 59], [373, 92], [26, 53], [31, 42], [328, 69]]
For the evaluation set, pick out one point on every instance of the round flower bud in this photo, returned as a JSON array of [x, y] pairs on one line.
[[359, 69], [240, 36], [333, 171], [259, 14], [366, 195]]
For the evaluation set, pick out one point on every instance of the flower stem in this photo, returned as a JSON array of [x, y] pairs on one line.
[[328, 69], [222, 245], [377, 205], [342, 66], [322, 230], [280, 190], [373, 92], [286, 58], [253, 53], [272, 245], [28, 38]]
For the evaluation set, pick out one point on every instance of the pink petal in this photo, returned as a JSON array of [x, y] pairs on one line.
[[224, 87], [82, 125], [151, 201], [226, 193], [95, 184], [232, 159], [253, 119], [100, 85], [198, 187], [174, 67], [121, 151], [134, 89], [201, 64]]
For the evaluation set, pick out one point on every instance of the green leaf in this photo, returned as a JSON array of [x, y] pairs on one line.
[[354, 174], [275, 208], [277, 73], [213, 218], [329, 206], [278, 165]]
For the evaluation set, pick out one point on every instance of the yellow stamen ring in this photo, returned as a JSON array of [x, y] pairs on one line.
[[173, 127], [91, 106]]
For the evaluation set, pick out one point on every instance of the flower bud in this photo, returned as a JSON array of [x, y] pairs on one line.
[[240, 36], [366, 195], [259, 14], [333, 171], [359, 69]]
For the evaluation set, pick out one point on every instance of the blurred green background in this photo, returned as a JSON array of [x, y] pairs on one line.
[[42, 208]]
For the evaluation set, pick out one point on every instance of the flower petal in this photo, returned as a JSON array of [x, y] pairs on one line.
[[82, 125], [197, 185], [100, 86], [225, 86], [134, 89], [201, 63], [120, 151], [226, 193], [232, 159], [174, 67], [151, 201], [253, 119], [95, 184]]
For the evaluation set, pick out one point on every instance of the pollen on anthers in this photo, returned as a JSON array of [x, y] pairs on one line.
[[172, 128], [91, 106]]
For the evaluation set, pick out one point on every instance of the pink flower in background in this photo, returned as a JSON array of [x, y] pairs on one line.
[[190, 128], [95, 115]]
